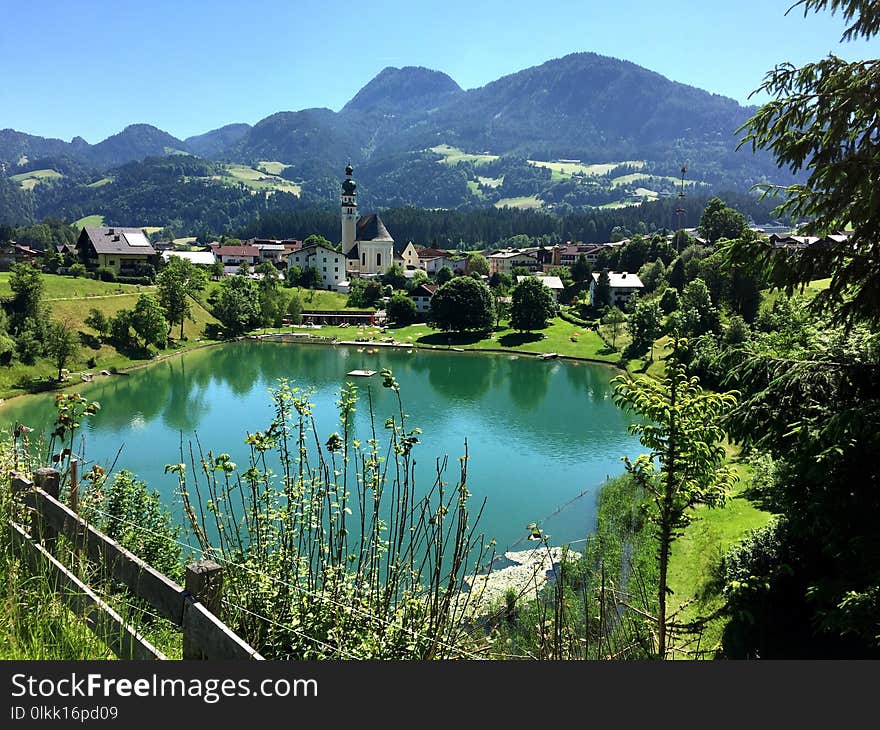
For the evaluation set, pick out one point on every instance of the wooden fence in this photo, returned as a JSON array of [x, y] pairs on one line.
[[192, 607]]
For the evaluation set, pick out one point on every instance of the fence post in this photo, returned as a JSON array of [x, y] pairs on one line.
[[204, 582], [74, 485], [49, 480]]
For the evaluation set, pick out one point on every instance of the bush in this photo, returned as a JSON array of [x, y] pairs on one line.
[[77, 270], [140, 280], [105, 273]]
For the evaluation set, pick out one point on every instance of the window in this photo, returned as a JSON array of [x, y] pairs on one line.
[[363, 259], [111, 262], [335, 268], [378, 259], [325, 269], [325, 259]]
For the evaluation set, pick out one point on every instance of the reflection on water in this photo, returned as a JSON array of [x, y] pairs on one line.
[[539, 433]]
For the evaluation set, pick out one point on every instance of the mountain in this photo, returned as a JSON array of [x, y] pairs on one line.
[[213, 143], [410, 90], [529, 139], [135, 142]]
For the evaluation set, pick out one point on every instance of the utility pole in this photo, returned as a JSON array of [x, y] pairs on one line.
[[679, 211]]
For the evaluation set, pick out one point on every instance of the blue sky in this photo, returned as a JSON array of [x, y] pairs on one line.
[[90, 67]]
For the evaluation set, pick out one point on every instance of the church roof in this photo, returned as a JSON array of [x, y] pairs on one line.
[[371, 228]]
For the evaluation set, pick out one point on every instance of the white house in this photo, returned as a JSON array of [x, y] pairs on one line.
[[623, 284], [553, 283], [503, 262], [330, 264], [422, 296]]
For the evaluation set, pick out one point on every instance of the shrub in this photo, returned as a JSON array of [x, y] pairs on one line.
[[104, 273]]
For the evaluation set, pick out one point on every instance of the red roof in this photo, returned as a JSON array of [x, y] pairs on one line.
[[237, 251]]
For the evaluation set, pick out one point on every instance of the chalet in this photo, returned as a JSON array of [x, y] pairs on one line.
[[568, 255], [422, 296], [272, 252], [13, 253], [431, 260], [503, 262], [233, 256], [553, 283], [623, 285], [329, 264], [407, 256], [126, 251]]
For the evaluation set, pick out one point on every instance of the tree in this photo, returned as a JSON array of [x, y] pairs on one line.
[[822, 118], [645, 326], [443, 275], [62, 344], [580, 270], [148, 320], [462, 304], [364, 293], [401, 309], [176, 287], [120, 328], [669, 300], [27, 285], [652, 275], [701, 315], [394, 277], [613, 318], [532, 305], [602, 292], [502, 310], [77, 270], [217, 269], [476, 263], [721, 221], [310, 278], [237, 305], [294, 309], [98, 321], [316, 240], [681, 427]]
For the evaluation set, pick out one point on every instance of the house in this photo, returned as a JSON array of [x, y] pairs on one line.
[[568, 255], [553, 283], [368, 246], [126, 251], [13, 253], [422, 296], [200, 258], [623, 284], [407, 256], [234, 256], [272, 252], [503, 262], [431, 260], [329, 264]]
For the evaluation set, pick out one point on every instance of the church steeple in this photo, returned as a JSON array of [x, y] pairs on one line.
[[349, 209]]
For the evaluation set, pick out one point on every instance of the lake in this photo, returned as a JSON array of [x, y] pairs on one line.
[[542, 434]]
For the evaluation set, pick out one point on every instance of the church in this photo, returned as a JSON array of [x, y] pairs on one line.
[[368, 247]]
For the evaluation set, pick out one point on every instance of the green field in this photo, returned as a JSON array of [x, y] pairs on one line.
[[637, 176], [560, 337], [490, 182], [524, 201], [100, 183], [257, 180], [29, 180], [273, 168], [66, 287], [453, 155], [90, 221], [474, 187]]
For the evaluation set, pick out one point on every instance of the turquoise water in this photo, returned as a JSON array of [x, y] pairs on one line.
[[542, 435]]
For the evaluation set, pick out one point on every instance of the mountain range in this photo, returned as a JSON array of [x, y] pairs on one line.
[[551, 133]]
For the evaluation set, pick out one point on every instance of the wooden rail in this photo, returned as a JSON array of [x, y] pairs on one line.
[[204, 635]]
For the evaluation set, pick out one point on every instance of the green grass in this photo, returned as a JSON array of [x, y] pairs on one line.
[[90, 221], [257, 180], [474, 187], [29, 180], [99, 183], [70, 300], [769, 297], [273, 168], [524, 201], [490, 182], [453, 155], [697, 551], [66, 287], [557, 337]]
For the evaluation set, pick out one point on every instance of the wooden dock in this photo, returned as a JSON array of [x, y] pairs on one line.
[[362, 373]]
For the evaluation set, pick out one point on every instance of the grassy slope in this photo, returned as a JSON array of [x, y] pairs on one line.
[[70, 300], [453, 155], [91, 221]]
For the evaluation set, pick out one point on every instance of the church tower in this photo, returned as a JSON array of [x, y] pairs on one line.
[[349, 210]]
